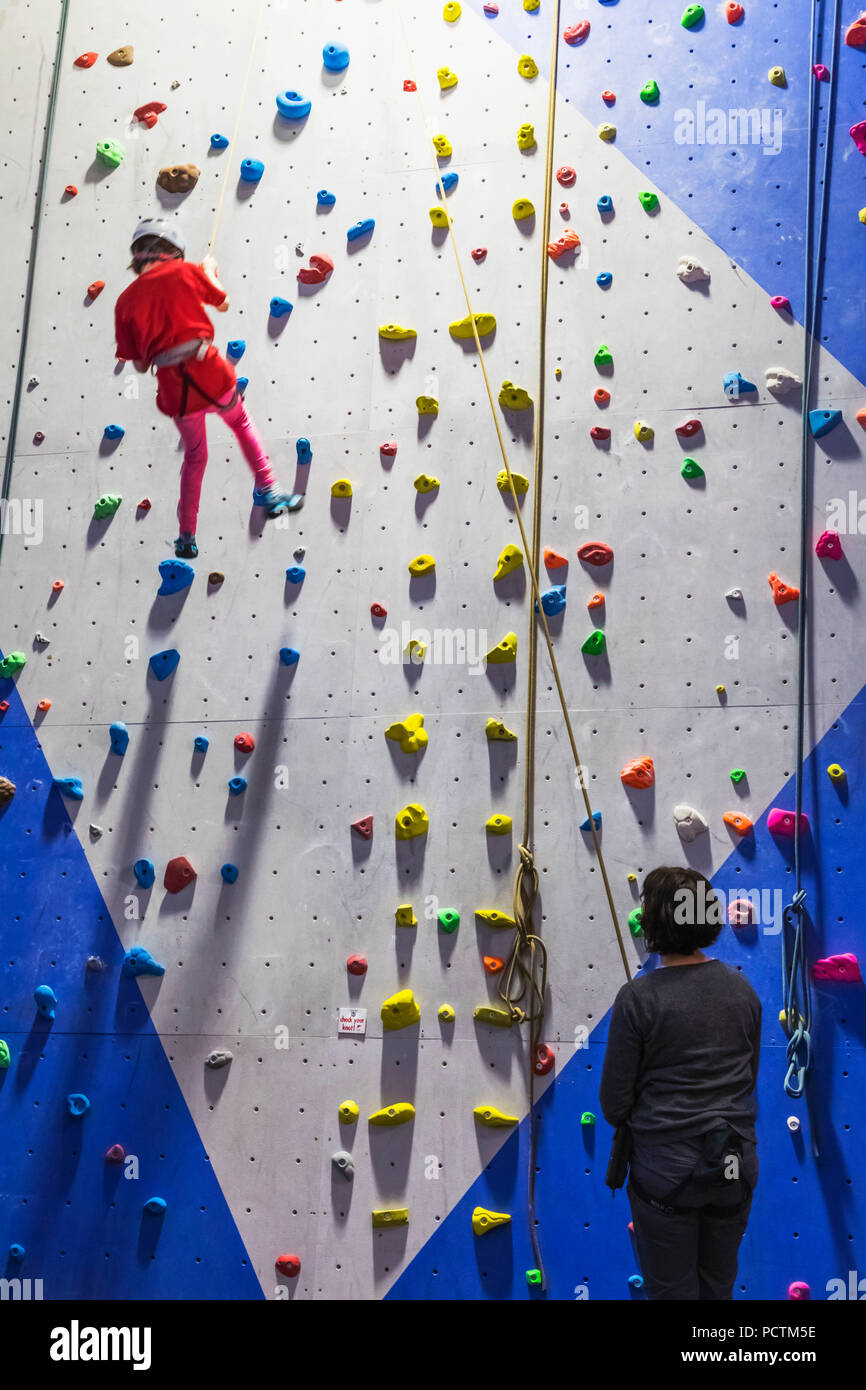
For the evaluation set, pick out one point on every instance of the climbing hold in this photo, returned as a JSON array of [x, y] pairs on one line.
[[395, 1216], [648, 201], [553, 600], [688, 428], [735, 386], [587, 1118], [71, 191], [496, 1018], [389, 448], [639, 773], [484, 1220], [491, 9], [451, 12], [335, 57], [411, 822], [448, 919], [576, 34], [415, 651], [400, 1011], [219, 142], [494, 918], [689, 823], [737, 774], [737, 822], [690, 271], [823, 421], [855, 34], [106, 506], [522, 209], [162, 664], [492, 964], [635, 1281], [836, 773], [237, 786], [289, 1265], [113, 432], [317, 272], [478, 253], [296, 574], [492, 1118], [121, 57], [357, 965], [545, 1059], [603, 356], [734, 11], [363, 827], [462, 328], [77, 1103], [605, 203], [782, 823], [445, 1013], [497, 732], [643, 432], [504, 651], [292, 106], [178, 178], [70, 787], [12, 664], [7, 791], [221, 1057], [781, 302], [568, 241], [341, 488], [777, 77], [251, 170], [595, 553], [498, 825], [176, 576], [86, 60], [94, 290], [649, 92], [409, 733], [521, 484], [553, 560], [229, 873], [692, 15], [156, 1206], [511, 559], [691, 470], [244, 743], [377, 611], [604, 279], [595, 600], [145, 873], [635, 922], [404, 916], [427, 405], [361, 229], [110, 153], [46, 1001], [324, 199], [608, 97], [279, 307], [422, 564], [595, 643], [201, 743], [396, 333], [593, 820], [566, 175], [780, 381], [741, 913], [442, 146], [138, 961], [348, 1112], [5, 1055], [526, 66], [513, 397], [179, 873], [828, 546], [845, 969], [798, 1291], [782, 592], [446, 78], [607, 132], [344, 1164]]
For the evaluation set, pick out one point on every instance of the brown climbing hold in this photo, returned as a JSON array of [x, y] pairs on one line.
[[178, 178], [244, 743], [363, 827], [179, 873], [86, 60], [71, 191], [595, 553], [782, 592], [216, 577], [553, 560], [121, 57], [7, 791], [95, 290], [639, 773], [740, 823]]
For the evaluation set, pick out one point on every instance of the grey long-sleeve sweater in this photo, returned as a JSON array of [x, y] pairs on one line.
[[682, 1053]]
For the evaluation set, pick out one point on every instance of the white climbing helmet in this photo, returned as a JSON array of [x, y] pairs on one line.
[[158, 226]]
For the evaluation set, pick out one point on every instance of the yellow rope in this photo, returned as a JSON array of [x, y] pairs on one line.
[[234, 136]]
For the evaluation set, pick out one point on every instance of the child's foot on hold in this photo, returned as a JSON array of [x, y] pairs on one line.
[[275, 501], [185, 547]]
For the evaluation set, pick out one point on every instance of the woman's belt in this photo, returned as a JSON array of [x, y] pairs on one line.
[[196, 349]]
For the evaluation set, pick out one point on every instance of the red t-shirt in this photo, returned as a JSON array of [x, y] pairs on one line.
[[164, 307]]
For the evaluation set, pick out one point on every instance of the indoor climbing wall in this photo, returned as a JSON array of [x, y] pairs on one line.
[[251, 835]]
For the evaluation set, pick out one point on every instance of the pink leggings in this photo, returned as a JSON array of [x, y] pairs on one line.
[[193, 432]]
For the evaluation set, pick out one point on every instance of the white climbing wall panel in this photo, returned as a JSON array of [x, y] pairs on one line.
[[269, 952]]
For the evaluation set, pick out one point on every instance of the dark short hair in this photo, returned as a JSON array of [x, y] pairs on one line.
[[152, 248], [680, 911]]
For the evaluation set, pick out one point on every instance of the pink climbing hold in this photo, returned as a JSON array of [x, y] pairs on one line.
[[782, 823], [844, 968], [491, 9], [576, 33], [741, 913], [858, 135], [116, 1154], [363, 827], [855, 34], [178, 874], [357, 965], [820, 72], [318, 270], [782, 303], [566, 176], [799, 1292], [828, 546]]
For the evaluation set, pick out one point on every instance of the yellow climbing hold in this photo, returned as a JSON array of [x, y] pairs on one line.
[[836, 773], [862, 215], [558, 373], [484, 1220], [394, 1216], [439, 217], [777, 77], [451, 12], [399, 1114], [409, 733], [513, 397], [720, 690], [504, 651], [424, 483], [396, 333], [447, 78], [643, 432], [531, 5], [416, 651], [411, 822], [422, 564], [445, 1013], [341, 488], [521, 484], [442, 146], [494, 918], [510, 560], [405, 917], [497, 732], [462, 328], [498, 825], [493, 1118], [400, 1011], [522, 209], [526, 136], [348, 1111], [526, 66], [607, 131], [497, 1018], [427, 405], [632, 878]]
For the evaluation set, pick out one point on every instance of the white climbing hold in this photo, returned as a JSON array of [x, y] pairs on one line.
[[735, 595], [691, 271], [40, 639], [689, 822], [780, 381]]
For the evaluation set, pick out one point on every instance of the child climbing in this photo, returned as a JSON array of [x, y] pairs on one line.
[[160, 321]]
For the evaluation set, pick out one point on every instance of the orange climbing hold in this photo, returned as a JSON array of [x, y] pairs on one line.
[[782, 592], [860, 417], [71, 191], [569, 241], [86, 60], [553, 560], [740, 823], [493, 965], [601, 397], [608, 97], [44, 706], [95, 290], [734, 11], [855, 34], [595, 600], [639, 773]]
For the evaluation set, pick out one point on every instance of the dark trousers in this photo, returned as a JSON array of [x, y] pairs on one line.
[[690, 1254]]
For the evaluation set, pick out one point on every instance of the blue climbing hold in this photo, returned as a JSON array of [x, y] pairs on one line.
[[635, 1280], [280, 307], [605, 203], [69, 786], [449, 181], [156, 1206], [77, 1103], [46, 1000], [138, 961], [335, 56], [176, 575], [289, 656], [305, 450], [145, 873], [292, 106], [230, 873], [251, 170], [237, 785], [17, 1252], [604, 278], [362, 228], [119, 735], [594, 819], [243, 383], [163, 663], [113, 432], [236, 349], [325, 199], [296, 574], [201, 743], [219, 142], [823, 421], [735, 385], [553, 600]]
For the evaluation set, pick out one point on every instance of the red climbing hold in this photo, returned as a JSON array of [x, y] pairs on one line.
[[178, 874], [389, 448], [734, 12], [595, 600], [357, 965], [244, 743], [478, 253], [545, 1058], [595, 553], [576, 33], [689, 428], [318, 271], [608, 97], [86, 60], [601, 396], [364, 827], [855, 34], [599, 432], [860, 417], [828, 546], [290, 1265], [553, 560], [569, 241], [782, 592], [71, 191], [378, 611], [844, 968], [409, 85], [116, 1154], [566, 176], [144, 505], [95, 290], [4, 705], [639, 773], [149, 112]]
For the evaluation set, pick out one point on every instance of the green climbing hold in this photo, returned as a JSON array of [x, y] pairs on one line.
[[604, 356], [106, 505], [449, 920], [587, 1118], [533, 1276], [5, 1057], [110, 153], [595, 643], [649, 201], [692, 16], [691, 469], [635, 922], [12, 664], [649, 92], [738, 774]]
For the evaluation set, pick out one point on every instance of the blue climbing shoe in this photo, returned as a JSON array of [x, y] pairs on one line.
[[275, 502], [185, 547]]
